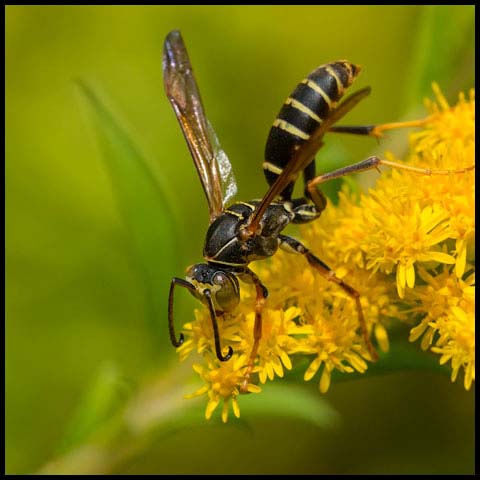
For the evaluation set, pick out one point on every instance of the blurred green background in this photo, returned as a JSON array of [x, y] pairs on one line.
[[77, 292]]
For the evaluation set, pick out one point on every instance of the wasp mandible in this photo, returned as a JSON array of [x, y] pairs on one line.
[[247, 231]]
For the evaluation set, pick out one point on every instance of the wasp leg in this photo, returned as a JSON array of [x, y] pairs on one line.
[[262, 294], [291, 245], [304, 210], [216, 336], [311, 206], [365, 130], [377, 130], [171, 328], [375, 162], [316, 196]]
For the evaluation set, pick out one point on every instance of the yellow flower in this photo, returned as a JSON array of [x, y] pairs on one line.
[[403, 236], [407, 247], [222, 380], [446, 304], [273, 351], [333, 341]]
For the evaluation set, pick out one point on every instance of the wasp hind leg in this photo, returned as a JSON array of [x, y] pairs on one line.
[[366, 130], [291, 245], [377, 130], [374, 163]]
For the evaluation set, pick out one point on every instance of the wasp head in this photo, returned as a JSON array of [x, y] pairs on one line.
[[222, 285]]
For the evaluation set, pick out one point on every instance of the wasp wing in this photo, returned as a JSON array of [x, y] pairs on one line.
[[181, 88], [303, 156], [227, 177]]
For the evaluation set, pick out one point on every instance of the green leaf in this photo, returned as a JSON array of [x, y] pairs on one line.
[[102, 400], [444, 52], [144, 202]]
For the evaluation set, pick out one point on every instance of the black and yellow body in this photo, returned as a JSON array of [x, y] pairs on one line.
[[250, 231], [301, 115]]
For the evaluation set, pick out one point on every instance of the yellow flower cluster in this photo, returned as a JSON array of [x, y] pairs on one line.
[[407, 246], [421, 228]]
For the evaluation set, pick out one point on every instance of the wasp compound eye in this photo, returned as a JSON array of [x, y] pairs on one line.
[[227, 296]]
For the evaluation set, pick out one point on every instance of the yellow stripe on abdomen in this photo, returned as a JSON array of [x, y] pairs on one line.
[[288, 127], [303, 108], [319, 90]]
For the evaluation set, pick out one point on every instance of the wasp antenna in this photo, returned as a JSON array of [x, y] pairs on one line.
[[171, 328], [216, 336], [228, 356], [176, 343]]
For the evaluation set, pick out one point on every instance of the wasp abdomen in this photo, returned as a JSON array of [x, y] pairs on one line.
[[303, 112]]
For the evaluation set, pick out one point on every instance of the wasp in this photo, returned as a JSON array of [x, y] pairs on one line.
[[248, 231]]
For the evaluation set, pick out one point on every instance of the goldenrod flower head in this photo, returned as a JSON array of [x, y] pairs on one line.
[[446, 305], [222, 380], [407, 247]]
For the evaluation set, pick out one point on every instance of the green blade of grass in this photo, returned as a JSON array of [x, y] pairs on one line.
[[144, 204]]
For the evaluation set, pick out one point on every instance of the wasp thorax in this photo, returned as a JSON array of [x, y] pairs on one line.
[[221, 286]]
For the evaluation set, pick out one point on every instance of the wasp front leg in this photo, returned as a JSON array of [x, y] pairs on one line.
[[291, 245], [262, 294]]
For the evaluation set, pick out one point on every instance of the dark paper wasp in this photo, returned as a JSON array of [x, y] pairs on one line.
[[248, 231]]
